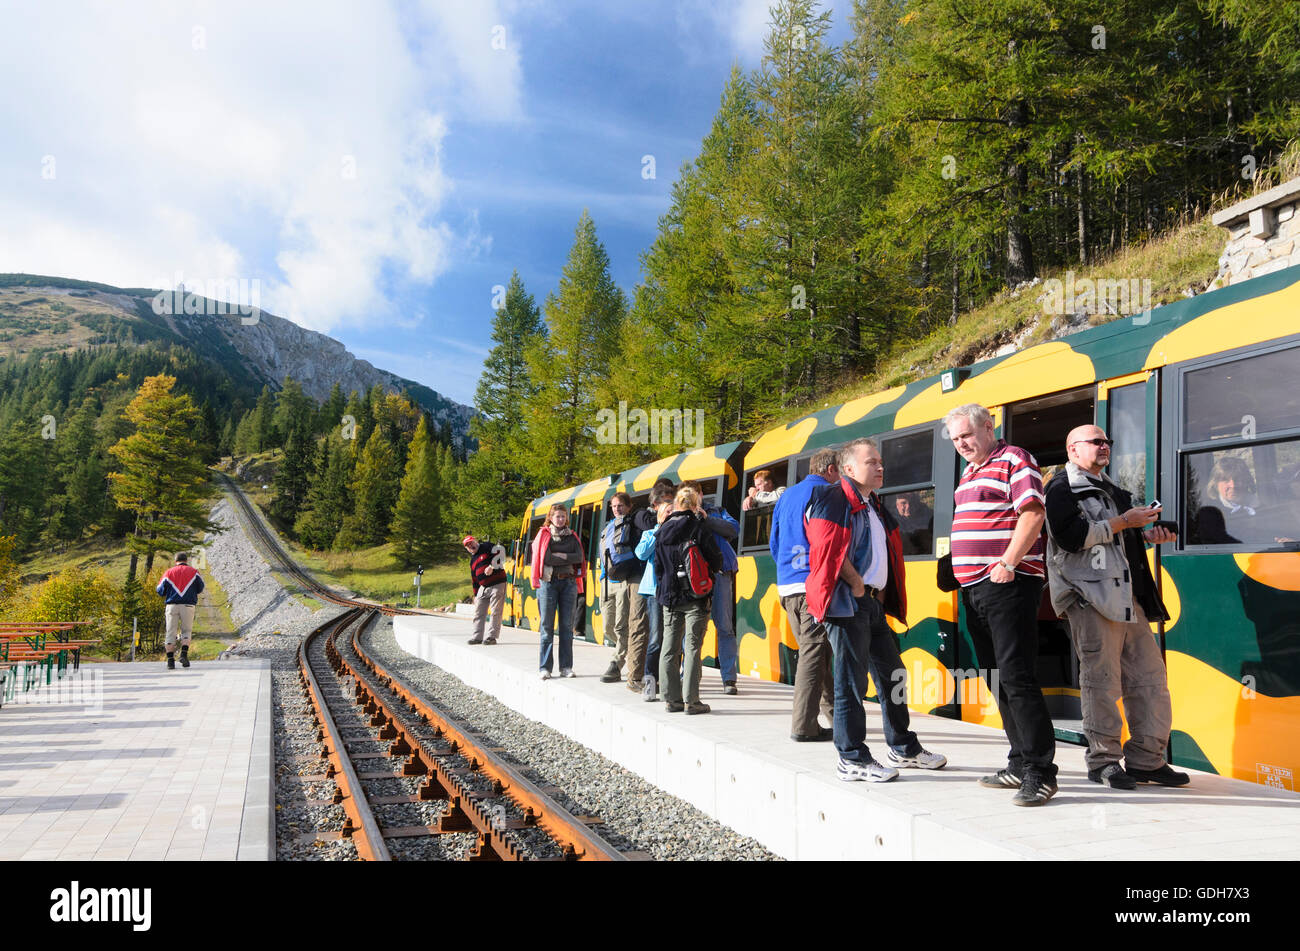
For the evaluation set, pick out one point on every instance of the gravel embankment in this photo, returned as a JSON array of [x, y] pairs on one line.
[[638, 815]]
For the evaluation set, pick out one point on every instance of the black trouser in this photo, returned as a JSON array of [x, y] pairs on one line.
[[1003, 623]]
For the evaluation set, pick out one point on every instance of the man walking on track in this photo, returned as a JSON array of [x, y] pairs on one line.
[[489, 582], [180, 587]]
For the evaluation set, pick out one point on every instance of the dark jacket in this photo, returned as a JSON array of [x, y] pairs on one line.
[[670, 542], [481, 572]]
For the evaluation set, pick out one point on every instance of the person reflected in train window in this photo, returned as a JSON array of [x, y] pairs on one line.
[[812, 713], [916, 522], [557, 575], [1232, 487], [1101, 583], [764, 491]]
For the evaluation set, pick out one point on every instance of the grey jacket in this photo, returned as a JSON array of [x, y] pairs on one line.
[[1097, 573]]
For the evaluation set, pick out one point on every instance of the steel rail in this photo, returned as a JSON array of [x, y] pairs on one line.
[[289, 566], [361, 826], [575, 838]]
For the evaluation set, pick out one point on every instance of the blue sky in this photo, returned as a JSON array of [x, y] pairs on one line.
[[378, 168]]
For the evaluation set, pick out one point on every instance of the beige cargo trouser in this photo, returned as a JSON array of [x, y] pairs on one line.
[[626, 613], [1120, 659], [180, 620], [814, 683], [489, 597]]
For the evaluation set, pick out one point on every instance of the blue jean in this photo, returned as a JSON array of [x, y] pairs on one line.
[[654, 618], [550, 596], [862, 644], [724, 602]]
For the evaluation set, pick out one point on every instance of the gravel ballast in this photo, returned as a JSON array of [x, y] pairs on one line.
[[638, 815]]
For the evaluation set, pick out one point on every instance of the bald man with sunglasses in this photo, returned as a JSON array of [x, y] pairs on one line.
[[1099, 580]]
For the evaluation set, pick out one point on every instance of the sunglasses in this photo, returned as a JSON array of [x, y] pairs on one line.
[[1097, 442]]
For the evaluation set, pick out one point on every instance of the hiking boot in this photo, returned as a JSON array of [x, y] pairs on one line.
[[822, 734], [697, 708], [1002, 779], [1034, 791], [868, 772], [489, 640], [922, 759], [1164, 776], [636, 686], [650, 690], [674, 707], [729, 688], [612, 675], [475, 640], [171, 661], [185, 656], [1112, 775]]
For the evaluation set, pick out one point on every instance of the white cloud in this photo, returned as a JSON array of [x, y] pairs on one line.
[[297, 143]]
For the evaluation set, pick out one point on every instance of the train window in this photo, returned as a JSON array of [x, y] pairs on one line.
[[757, 520], [908, 459], [1243, 399], [1248, 496], [1128, 427], [914, 512]]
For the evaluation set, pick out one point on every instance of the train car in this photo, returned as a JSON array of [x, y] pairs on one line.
[[716, 468], [1197, 395]]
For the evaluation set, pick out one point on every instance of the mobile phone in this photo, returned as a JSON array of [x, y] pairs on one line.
[[1155, 504], [1166, 525]]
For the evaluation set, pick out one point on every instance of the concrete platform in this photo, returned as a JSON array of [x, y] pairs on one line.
[[132, 761], [738, 765]]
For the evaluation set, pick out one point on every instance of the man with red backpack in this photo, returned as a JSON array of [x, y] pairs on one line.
[[686, 558]]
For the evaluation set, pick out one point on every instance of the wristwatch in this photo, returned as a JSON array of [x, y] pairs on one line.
[[1003, 564]]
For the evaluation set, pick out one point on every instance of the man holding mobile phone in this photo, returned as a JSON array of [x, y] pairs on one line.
[[1100, 582]]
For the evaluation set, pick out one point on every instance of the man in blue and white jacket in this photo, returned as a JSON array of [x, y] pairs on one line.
[[813, 680], [180, 588]]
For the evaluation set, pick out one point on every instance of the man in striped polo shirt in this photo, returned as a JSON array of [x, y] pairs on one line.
[[997, 556]]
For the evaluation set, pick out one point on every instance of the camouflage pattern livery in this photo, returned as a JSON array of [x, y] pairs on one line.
[[1217, 370]]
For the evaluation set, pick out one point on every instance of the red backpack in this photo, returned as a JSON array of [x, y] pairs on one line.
[[693, 570]]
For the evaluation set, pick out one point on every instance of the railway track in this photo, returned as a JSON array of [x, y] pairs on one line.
[[426, 775]]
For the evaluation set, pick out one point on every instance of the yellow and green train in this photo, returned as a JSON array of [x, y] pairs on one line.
[[1196, 394]]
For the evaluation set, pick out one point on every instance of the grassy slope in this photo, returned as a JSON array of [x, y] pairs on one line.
[[1184, 258]]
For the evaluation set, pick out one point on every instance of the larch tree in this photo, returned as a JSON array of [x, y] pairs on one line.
[[162, 479], [417, 518]]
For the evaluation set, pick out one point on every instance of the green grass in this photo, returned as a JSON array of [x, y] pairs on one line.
[[378, 574], [1186, 257]]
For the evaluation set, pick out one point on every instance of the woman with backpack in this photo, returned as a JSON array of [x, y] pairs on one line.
[[557, 574], [686, 557]]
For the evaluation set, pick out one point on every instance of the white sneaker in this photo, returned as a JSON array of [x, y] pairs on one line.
[[922, 760], [869, 772], [567, 672], [650, 692], [544, 674], [824, 722]]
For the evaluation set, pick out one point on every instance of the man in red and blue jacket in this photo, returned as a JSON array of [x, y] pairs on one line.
[[855, 577], [180, 587]]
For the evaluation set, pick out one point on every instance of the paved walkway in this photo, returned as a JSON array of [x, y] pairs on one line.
[[738, 765], [138, 762]]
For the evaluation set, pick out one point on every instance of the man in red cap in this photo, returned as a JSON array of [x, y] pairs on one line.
[[489, 580]]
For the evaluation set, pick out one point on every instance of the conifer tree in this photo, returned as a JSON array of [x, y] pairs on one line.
[[374, 491], [293, 478], [417, 519], [571, 367], [328, 498], [162, 478]]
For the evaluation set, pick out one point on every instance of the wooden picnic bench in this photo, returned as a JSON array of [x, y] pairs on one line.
[[35, 646]]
